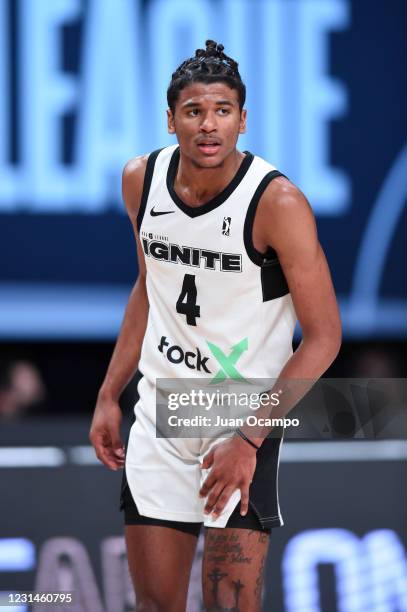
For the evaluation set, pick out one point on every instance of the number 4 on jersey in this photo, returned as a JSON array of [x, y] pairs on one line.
[[186, 303]]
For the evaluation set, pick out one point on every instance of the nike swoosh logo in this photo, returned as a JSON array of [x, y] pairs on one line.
[[153, 213]]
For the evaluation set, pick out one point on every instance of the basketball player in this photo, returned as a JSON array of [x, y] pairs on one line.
[[228, 260]]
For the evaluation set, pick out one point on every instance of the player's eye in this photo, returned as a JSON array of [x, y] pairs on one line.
[[193, 112], [223, 111]]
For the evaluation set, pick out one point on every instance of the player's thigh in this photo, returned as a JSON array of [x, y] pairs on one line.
[[160, 561], [233, 567]]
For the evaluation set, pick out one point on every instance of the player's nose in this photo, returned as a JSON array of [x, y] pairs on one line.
[[208, 123]]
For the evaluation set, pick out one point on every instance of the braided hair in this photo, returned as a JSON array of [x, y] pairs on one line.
[[209, 65]]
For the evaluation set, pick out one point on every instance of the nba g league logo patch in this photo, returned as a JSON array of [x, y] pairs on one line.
[[226, 226]]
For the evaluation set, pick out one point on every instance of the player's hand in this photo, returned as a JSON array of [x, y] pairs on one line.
[[105, 433], [233, 464]]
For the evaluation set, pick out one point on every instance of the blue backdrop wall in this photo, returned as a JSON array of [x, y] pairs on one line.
[[84, 88]]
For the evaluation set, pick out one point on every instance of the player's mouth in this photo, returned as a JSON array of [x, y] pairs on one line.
[[209, 147]]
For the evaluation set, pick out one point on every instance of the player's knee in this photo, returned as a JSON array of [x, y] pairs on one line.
[[149, 604]]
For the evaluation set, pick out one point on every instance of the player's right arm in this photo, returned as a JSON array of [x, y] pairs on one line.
[[105, 428]]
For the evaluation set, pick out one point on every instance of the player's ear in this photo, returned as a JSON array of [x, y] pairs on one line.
[[170, 121], [243, 117]]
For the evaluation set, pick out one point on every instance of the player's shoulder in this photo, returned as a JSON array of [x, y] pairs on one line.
[[282, 203], [283, 210], [135, 167], [132, 182], [281, 194]]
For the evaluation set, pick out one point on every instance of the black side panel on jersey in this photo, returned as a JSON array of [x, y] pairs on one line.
[[273, 281], [148, 177], [264, 488]]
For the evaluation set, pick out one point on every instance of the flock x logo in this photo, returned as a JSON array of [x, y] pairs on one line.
[[227, 362], [197, 361]]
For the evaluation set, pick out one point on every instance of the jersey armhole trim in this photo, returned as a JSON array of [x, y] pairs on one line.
[[148, 177], [273, 282], [255, 256]]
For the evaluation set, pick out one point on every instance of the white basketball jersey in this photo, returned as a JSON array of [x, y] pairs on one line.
[[218, 308]]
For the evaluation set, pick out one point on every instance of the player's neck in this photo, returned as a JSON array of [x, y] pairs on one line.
[[197, 185]]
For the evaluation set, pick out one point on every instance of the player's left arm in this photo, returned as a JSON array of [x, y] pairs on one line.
[[284, 221], [288, 223]]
